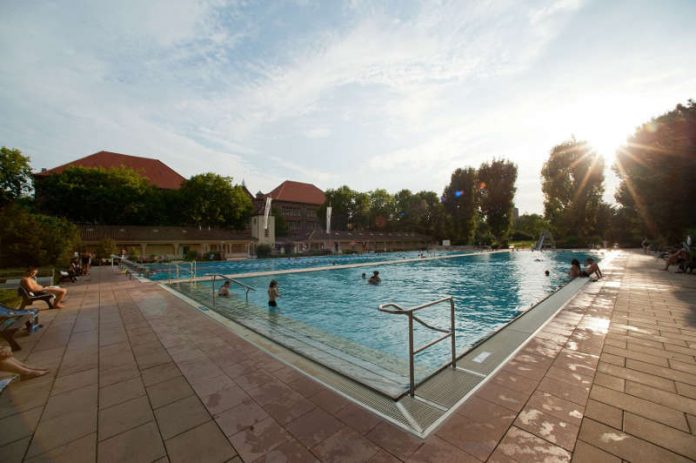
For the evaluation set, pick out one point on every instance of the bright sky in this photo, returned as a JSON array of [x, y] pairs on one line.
[[393, 94]]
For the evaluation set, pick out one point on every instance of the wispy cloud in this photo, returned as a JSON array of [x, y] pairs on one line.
[[370, 94]]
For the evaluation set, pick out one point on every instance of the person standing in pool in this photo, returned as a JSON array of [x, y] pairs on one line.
[[273, 293], [374, 279]]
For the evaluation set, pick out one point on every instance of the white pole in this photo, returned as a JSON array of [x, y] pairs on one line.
[[328, 219], [266, 212]]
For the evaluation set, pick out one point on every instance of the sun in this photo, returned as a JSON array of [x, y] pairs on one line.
[[605, 127]]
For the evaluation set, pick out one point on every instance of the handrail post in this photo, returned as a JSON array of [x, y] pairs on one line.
[[411, 374], [454, 343], [214, 290]]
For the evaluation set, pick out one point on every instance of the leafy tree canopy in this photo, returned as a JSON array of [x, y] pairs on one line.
[[460, 200], [15, 175], [497, 193], [573, 183], [97, 195], [657, 169], [212, 200]]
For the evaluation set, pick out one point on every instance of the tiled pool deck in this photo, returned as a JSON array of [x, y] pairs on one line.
[[139, 375]]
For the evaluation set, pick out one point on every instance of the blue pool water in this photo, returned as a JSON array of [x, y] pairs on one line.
[[160, 272], [334, 312]]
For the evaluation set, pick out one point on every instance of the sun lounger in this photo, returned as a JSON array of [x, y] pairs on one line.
[[28, 297], [8, 323]]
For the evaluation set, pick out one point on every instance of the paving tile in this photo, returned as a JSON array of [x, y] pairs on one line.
[[515, 382], [668, 399], [160, 373], [259, 439], [358, 418], [74, 401], [525, 447], [223, 400], [677, 441], [476, 437], [637, 376], [203, 443], [62, 429], [120, 392], [394, 440], [624, 445], [124, 416], [555, 406], [345, 446], [181, 416], [287, 409], [667, 373], [20, 425], [168, 391], [436, 450], [141, 444], [117, 375], [585, 453], [14, 452], [609, 381], [604, 413], [313, 427], [75, 381], [240, 417], [508, 398], [329, 401], [290, 452], [548, 427], [207, 386], [307, 387], [565, 390], [382, 456], [77, 451]]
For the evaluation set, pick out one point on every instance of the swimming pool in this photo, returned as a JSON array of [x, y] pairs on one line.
[[159, 272], [331, 316]]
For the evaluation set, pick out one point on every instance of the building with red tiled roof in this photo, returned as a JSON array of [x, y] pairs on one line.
[[157, 172], [297, 204]]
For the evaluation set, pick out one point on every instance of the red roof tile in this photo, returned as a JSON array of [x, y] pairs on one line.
[[157, 172], [298, 192]]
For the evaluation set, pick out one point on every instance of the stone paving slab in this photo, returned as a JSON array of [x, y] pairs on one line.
[[138, 375]]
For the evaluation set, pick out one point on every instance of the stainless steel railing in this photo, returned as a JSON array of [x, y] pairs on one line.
[[412, 350], [130, 266], [246, 287]]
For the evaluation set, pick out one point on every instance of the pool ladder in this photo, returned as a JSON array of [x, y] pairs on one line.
[[246, 288], [412, 351]]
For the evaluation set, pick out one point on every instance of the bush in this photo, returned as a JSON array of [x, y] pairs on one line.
[[35, 239], [191, 254], [263, 250], [106, 248], [519, 235]]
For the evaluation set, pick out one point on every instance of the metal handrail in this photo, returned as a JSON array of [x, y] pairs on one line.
[[412, 351], [246, 287], [130, 265]]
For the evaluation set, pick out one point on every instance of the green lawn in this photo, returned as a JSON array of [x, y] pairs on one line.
[[9, 298]]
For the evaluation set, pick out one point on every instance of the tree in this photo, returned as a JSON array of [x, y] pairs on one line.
[[382, 209], [530, 225], [349, 209], [460, 200], [15, 175], [657, 169], [35, 239], [212, 200], [118, 196], [281, 226], [496, 195], [573, 178]]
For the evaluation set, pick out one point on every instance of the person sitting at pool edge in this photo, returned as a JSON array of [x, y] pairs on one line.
[[591, 269], [273, 293], [575, 270], [374, 279], [29, 283], [224, 289]]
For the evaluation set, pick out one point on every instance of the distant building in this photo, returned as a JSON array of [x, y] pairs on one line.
[[155, 171], [297, 203], [147, 242]]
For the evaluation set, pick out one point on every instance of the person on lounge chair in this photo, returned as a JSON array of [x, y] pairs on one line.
[[12, 365], [676, 258], [29, 283]]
